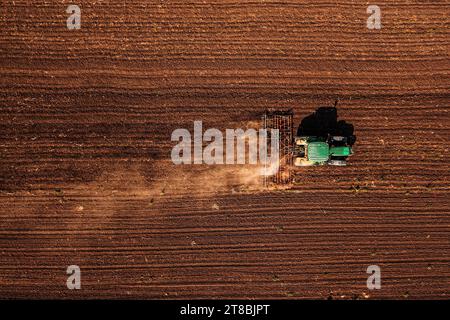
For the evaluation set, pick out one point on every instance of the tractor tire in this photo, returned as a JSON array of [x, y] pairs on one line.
[[335, 162], [339, 140]]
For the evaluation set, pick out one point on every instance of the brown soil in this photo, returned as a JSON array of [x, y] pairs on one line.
[[85, 172]]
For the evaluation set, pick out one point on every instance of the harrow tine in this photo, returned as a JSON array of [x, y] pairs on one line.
[[283, 121]]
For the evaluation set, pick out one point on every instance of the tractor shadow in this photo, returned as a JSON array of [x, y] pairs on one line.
[[324, 122]]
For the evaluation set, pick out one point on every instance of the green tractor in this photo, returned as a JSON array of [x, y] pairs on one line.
[[321, 139], [310, 151]]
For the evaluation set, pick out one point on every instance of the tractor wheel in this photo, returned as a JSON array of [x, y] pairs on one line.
[[338, 139], [337, 163]]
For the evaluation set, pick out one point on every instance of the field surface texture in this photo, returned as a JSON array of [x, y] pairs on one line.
[[86, 176]]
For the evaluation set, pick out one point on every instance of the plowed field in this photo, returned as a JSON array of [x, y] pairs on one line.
[[86, 178]]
